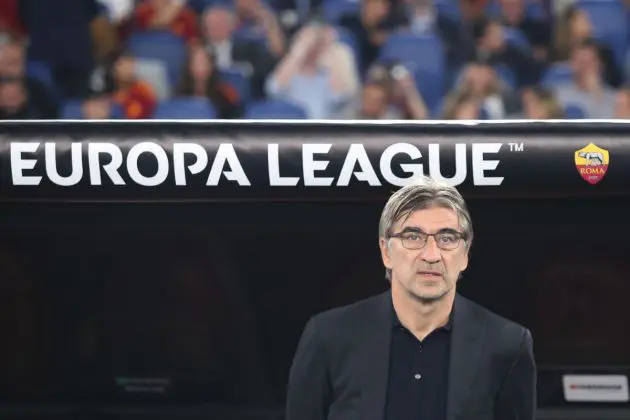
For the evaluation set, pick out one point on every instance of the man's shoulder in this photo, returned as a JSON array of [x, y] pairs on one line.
[[498, 327], [346, 316]]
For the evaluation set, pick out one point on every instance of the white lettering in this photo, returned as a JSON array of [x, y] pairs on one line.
[[162, 161], [19, 164], [227, 154], [480, 165], [275, 180], [179, 164], [76, 166], [355, 155], [460, 164], [309, 165], [415, 169], [111, 169]]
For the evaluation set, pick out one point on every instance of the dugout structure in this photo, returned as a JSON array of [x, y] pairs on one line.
[[162, 269]]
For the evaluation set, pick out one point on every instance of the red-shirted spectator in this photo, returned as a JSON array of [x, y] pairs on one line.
[[173, 15], [136, 97], [10, 19]]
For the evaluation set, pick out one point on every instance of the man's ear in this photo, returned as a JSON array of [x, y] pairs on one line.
[[384, 246]]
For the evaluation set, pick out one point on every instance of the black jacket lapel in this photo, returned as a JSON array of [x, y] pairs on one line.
[[466, 347], [375, 359]]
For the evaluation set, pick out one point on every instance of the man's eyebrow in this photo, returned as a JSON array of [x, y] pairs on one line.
[[416, 229]]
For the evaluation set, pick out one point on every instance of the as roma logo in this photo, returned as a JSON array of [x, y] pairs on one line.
[[592, 163]]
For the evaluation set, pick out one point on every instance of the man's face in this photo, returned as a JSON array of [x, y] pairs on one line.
[[374, 102], [512, 10], [11, 60], [217, 25], [494, 39], [585, 61], [622, 104], [12, 95], [429, 273]]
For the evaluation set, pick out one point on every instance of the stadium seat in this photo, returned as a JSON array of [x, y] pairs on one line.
[[533, 9], [239, 81], [334, 10], [449, 9], [274, 110], [574, 112], [71, 110], [163, 46], [610, 27], [514, 36], [42, 73], [412, 50], [557, 73], [185, 109]]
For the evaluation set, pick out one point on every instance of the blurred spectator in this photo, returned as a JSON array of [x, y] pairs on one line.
[[538, 33], [172, 15], [481, 82], [540, 104], [473, 9], [461, 105], [425, 19], [10, 19], [318, 73], [251, 58], [491, 47], [622, 104], [22, 97], [376, 19], [374, 103], [135, 96], [119, 11], [61, 35], [254, 16], [573, 29], [98, 107], [402, 98], [200, 78], [587, 89]]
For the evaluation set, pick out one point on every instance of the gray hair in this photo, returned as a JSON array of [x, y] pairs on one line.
[[424, 193]]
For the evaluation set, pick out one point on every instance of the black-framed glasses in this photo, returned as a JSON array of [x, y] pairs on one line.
[[416, 239]]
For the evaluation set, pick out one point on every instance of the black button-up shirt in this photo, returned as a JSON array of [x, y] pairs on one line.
[[418, 374]]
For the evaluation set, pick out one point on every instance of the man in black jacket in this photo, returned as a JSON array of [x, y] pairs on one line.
[[419, 351]]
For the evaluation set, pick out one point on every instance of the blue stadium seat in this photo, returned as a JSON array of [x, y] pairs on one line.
[[163, 46], [610, 27], [574, 112], [449, 9], [533, 9], [423, 55], [536, 10], [42, 73], [239, 81], [71, 110], [334, 10], [557, 73], [274, 109], [185, 109], [514, 36]]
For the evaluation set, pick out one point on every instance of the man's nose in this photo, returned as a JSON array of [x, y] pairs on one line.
[[431, 251]]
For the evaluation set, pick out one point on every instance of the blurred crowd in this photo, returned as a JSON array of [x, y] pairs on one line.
[[314, 59]]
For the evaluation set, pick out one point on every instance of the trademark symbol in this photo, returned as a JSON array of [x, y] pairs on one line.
[[516, 147]]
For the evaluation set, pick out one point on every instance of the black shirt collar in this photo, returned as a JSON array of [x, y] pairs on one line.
[[396, 322]]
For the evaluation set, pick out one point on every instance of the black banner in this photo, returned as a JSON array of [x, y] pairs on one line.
[[218, 161]]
